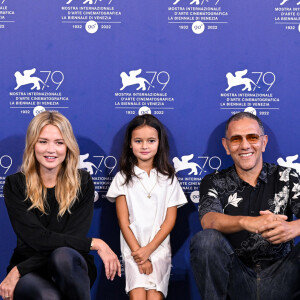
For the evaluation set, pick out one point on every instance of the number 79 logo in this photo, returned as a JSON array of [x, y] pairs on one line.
[[53, 77]]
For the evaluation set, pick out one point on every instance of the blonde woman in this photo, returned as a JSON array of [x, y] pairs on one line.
[[50, 205]]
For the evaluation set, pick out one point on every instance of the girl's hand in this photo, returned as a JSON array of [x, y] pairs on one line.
[[109, 258], [7, 286], [146, 268], [141, 255]]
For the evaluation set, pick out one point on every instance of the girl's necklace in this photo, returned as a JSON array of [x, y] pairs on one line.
[[148, 192]]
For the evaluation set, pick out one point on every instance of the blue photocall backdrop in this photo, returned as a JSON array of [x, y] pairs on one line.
[[191, 63]]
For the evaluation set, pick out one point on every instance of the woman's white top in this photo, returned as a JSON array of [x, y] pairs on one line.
[[146, 215]]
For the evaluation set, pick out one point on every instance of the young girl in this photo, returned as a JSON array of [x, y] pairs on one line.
[[147, 194]]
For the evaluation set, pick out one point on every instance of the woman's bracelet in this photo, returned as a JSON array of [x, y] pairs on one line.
[[91, 245]]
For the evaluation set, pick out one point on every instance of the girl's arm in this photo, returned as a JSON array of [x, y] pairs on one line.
[[142, 254], [123, 218]]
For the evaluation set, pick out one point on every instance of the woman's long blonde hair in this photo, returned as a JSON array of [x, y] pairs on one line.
[[68, 178]]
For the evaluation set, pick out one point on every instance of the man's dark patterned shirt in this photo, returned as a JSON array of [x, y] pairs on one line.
[[277, 190]]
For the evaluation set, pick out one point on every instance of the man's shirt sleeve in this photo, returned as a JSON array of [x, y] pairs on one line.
[[295, 192], [209, 197]]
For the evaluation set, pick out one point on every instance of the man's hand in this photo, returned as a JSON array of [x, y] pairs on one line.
[[255, 224], [7, 286], [279, 230], [146, 268], [141, 255]]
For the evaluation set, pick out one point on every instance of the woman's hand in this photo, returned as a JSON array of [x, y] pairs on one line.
[[141, 255], [7, 286], [109, 258]]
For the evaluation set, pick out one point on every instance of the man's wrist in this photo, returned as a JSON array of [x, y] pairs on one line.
[[242, 222], [296, 227]]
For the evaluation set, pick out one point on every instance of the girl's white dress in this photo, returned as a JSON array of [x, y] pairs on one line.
[[146, 215]]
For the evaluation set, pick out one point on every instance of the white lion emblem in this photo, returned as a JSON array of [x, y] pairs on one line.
[[284, 1], [239, 80], [86, 164], [184, 164], [289, 162], [27, 79], [132, 79]]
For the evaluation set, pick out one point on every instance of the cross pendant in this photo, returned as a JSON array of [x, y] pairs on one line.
[[149, 196]]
